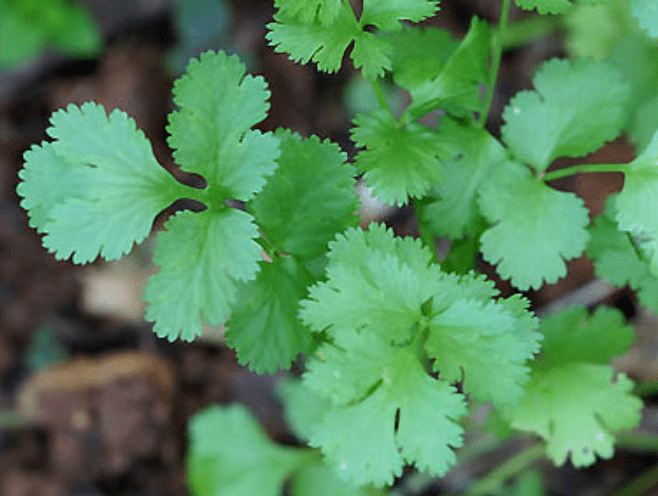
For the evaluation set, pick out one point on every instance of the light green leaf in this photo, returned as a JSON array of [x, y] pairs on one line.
[[574, 109], [646, 13], [211, 135], [387, 14], [399, 161], [456, 88], [316, 479], [324, 44], [574, 335], [359, 437], [308, 11], [89, 195], [302, 407], [637, 204], [201, 256], [455, 212], [524, 210], [577, 408], [216, 467], [469, 339], [264, 328], [618, 261], [555, 6], [309, 199]]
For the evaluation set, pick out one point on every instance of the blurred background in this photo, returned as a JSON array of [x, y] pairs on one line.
[[91, 402]]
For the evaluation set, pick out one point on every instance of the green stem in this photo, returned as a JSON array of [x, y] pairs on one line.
[[381, 98], [577, 169], [641, 484], [496, 55], [425, 231], [637, 441], [520, 33], [649, 388], [507, 470]]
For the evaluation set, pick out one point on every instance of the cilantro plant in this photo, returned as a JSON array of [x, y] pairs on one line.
[[397, 341]]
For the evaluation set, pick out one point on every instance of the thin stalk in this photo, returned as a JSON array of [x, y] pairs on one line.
[[641, 484], [494, 479], [578, 169], [520, 33], [381, 98], [496, 55], [424, 230], [637, 441]]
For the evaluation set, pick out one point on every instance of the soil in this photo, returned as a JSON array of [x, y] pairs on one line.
[[110, 419]]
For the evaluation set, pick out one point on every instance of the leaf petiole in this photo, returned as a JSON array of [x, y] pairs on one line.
[[578, 169]]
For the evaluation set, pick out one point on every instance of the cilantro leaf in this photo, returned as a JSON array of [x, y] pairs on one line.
[[470, 338], [577, 408], [575, 108], [201, 256], [308, 10], [373, 288], [399, 161], [412, 64], [617, 261], [387, 14], [646, 13], [309, 198], [554, 6], [385, 310], [217, 468], [325, 43], [211, 135], [637, 204], [456, 87], [359, 438], [302, 407], [574, 336], [454, 212], [89, 195], [524, 210], [316, 479], [574, 400], [264, 328]]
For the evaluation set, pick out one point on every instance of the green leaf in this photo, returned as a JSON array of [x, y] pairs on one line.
[[20, 38], [211, 135], [371, 288], [646, 13], [359, 437], [325, 42], [412, 63], [307, 11], [456, 88], [554, 6], [455, 212], [264, 328], [97, 188], [302, 407], [320, 43], [574, 336], [316, 479], [309, 199], [618, 261], [230, 455], [577, 408], [388, 14], [399, 161], [470, 339], [201, 258], [637, 204], [575, 108], [525, 210]]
